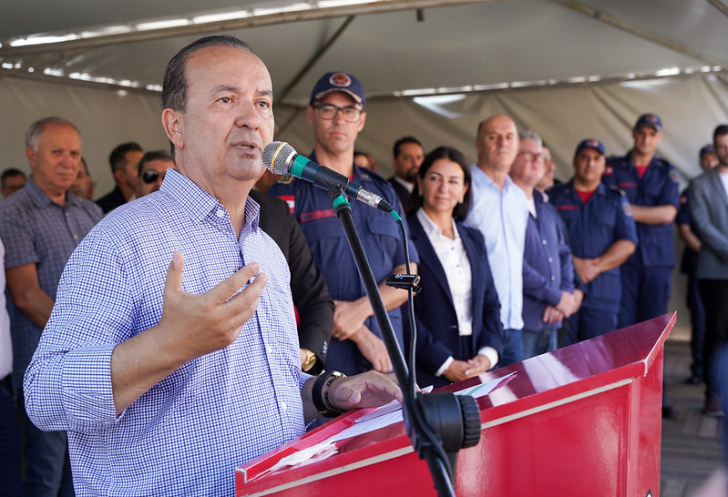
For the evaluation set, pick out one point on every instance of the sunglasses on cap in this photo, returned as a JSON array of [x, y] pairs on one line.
[[150, 176]]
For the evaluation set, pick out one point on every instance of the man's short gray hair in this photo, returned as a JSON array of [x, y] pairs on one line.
[[531, 136], [36, 129]]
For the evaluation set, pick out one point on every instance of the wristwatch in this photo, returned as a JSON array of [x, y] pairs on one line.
[[320, 394], [310, 360]]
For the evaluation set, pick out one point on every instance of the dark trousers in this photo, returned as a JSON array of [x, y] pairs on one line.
[[588, 323], [645, 293], [715, 299], [512, 348], [697, 324], [47, 466], [11, 483]]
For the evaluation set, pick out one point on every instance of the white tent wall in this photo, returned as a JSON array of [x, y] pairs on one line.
[[104, 118], [690, 107]]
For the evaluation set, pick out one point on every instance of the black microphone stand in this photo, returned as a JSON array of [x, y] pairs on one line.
[[426, 443]]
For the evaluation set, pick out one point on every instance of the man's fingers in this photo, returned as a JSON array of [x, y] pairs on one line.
[[226, 288], [174, 273], [247, 300]]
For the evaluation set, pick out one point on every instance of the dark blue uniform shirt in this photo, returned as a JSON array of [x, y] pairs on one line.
[[592, 228], [325, 235], [547, 265], [659, 186]]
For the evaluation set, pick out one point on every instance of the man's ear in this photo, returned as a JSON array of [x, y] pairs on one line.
[[173, 124], [309, 115], [30, 155]]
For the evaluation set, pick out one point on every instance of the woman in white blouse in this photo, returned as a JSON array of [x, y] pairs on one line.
[[459, 333]]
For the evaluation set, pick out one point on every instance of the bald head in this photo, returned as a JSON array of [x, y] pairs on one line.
[[497, 144]]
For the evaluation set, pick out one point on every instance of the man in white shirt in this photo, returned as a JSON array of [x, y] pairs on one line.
[[500, 212]]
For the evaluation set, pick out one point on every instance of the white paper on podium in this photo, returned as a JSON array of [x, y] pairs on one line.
[[391, 413]]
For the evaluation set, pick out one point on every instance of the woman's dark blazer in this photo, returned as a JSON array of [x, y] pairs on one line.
[[437, 323]]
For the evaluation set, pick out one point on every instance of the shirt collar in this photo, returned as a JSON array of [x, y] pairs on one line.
[[409, 186], [40, 199], [198, 203], [481, 179], [430, 228]]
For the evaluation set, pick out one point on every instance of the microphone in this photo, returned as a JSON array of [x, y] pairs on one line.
[[281, 158]]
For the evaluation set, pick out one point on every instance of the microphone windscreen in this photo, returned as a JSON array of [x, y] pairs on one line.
[[277, 157]]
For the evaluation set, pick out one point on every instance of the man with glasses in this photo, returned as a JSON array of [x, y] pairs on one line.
[[599, 223], [152, 168], [336, 114], [548, 271]]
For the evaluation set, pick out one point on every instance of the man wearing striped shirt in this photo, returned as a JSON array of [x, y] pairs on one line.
[[168, 375]]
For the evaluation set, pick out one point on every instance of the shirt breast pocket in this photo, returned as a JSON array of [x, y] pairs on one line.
[[323, 237], [382, 244]]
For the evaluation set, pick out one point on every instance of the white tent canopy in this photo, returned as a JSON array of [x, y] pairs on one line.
[[564, 69], [568, 70]]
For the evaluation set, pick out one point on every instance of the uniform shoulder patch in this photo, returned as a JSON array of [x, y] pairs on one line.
[[674, 176], [626, 208]]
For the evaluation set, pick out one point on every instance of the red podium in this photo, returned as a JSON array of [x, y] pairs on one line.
[[583, 420]]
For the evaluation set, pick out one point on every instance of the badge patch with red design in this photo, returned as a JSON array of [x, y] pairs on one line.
[[340, 79]]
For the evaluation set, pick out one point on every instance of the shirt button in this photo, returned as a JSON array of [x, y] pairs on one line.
[[268, 349], [551, 259], [220, 213], [543, 241], [553, 278], [284, 406], [75, 237]]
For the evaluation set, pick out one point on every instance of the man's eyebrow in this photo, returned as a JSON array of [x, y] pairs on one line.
[[225, 88]]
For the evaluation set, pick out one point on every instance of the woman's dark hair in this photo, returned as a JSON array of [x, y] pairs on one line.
[[414, 201]]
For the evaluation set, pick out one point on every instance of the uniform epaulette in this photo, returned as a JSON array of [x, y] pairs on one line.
[[368, 173], [616, 189]]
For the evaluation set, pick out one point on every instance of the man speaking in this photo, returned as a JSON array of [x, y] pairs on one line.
[[171, 356]]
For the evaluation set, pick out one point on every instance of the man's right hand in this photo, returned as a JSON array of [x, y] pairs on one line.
[[586, 269], [566, 305], [191, 326], [200, 324], [373, 349]]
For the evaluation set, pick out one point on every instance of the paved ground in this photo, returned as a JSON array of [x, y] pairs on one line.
[[692, 446]]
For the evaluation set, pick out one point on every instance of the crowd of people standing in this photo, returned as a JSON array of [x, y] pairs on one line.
[[197, 297]]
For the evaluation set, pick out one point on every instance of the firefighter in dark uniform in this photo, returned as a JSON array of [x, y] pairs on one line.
[[336, 113], [651, 185], [602, 234]]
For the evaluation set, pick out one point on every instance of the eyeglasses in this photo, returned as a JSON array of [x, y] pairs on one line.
[[328, 112], [150, 176], [532, 157]]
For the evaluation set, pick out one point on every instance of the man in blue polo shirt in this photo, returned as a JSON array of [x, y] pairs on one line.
[[599, 224], [336, 114], [651, 185]]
